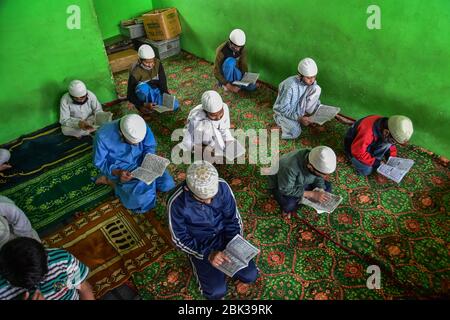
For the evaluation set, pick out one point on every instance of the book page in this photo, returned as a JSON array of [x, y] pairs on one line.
[[242, 249], [247, 79], [230, 268], [240, 252], [396, 168], [321, 207], [400, 163], [152, 167], [102, 118], [324, 113], [167, 103]]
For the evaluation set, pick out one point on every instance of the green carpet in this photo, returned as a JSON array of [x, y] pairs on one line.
[[36, 153], [403, 229], [59, 193]]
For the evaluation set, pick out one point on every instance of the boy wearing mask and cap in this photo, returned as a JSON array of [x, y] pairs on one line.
[[208, 125], [373, 139], [231, 62], [5, 155], [77, 110], [203, 218], [299, 173], [298, 98], [13, 222], [119, 148], [147, 81]]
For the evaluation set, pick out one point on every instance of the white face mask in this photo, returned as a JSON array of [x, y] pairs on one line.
[[143, 66]]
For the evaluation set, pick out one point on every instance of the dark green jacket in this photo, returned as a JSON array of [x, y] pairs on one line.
[[293, 175]]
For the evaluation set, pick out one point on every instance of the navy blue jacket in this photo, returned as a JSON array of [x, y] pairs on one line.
[[199, 229]]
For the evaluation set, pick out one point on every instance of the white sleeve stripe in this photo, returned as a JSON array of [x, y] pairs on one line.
[[238, 215], [177, 241]]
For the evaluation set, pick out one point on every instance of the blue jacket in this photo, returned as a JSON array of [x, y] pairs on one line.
[[199, 229], [112, 152]]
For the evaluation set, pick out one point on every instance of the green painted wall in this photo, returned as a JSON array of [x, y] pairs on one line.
[[111, 12], [401, 69], [39, 56]]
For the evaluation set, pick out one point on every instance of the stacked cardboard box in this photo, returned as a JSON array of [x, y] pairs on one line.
[[122, 60], [162, 24]]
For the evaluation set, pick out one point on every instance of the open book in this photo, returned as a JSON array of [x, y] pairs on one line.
[[321, 207], [168, 103], [396, 168], [248, 79], [101, 118], [324, 113], [240, 252], [151, 168]]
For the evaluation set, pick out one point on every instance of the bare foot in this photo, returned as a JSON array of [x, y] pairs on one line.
[[275, 127], [102, 180]]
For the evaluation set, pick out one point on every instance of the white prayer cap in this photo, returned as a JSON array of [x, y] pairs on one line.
[[133, 127], [237, 36], [212, 101], [323, 159], [146, 52], [203, 179], [401, 128], [307, 67], [5, 155], [77, 89]]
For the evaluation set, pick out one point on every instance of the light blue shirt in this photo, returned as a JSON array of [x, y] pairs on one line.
[[295, 98]]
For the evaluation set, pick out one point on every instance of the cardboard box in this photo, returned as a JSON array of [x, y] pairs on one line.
[[162, 24], [122, 60]]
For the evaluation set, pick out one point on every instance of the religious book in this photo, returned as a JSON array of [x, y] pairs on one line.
[[324, 113], [168, 103], [396, 168], [240, 252], [323, 207], [248, 79], [101, 118], [151, 168]]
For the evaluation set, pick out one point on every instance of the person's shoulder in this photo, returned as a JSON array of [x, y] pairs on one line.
[[7, 291], [65, 98], [291, 160], [197, 113], [106, 130], [134, 70], [220, 47], [224, 186], [58, 256], [91, 94], [176, 198], [292, 81]]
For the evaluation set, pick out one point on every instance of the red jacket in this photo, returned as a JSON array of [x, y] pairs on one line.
[[367, 134]]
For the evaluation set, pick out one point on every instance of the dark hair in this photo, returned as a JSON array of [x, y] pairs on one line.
[[23, 262]]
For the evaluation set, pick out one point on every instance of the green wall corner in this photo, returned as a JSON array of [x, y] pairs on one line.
[[40, 55], [400, 69]]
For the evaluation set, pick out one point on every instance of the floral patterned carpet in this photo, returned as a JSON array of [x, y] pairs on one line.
[[403, 229]]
